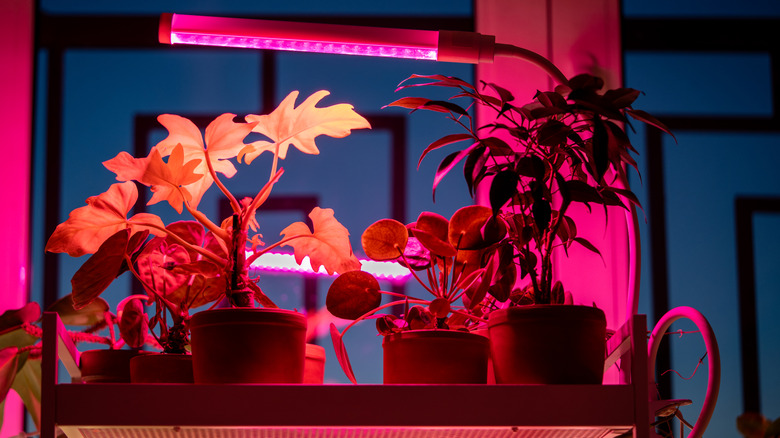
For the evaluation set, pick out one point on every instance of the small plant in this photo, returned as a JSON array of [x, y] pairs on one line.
[[567, 146], [192, 263], [20, 340], [445, 258]]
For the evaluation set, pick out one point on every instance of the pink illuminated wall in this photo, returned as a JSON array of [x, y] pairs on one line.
[[16, 51], [579, 37]]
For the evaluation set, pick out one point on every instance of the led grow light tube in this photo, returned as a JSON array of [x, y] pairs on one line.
[[283, 262], [442, 45]]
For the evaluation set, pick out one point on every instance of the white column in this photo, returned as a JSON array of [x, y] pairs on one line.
[[579, 36]]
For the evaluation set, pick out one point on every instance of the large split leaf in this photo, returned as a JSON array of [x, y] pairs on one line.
[[97, 273], [290, 126], [89, 226], [88, 315], [327, 246], [224, 138], [353, 294], [168, 181], [127, 167]]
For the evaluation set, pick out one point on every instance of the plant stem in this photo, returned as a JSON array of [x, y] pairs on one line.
[[206, 253], [206, 222], [233, 202], [383, 306], [261, 196]]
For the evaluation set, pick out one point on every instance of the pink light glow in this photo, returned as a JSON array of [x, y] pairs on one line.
[[280, 262], [16, 47], [304, 46], [298, 37]]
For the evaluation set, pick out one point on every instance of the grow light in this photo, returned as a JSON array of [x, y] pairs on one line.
[[441, 45], [281, 262]]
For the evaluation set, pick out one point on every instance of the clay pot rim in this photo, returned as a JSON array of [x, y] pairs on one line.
[[314, 351], [434, 333], [248, 315], [546, 311]]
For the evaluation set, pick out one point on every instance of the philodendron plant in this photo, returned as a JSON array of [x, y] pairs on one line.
[[567, 146], [21, 333], [443, 255], [191, 263]]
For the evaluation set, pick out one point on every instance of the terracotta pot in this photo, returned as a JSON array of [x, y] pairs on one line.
[[314, 367], [548, 344], [107, 366], [491, 377], [161, 368], [435, 356], [248, 345]]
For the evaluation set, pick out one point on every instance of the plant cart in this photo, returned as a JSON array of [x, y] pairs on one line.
[[188, 410]]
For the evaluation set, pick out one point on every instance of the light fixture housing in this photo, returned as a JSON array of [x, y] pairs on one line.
[[449, 46]]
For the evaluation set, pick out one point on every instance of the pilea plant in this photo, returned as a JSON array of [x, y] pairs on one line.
[[191, 263], [20, 340], [443, 255], [567, 146]]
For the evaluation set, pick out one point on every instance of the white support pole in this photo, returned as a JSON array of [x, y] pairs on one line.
[[578, 36]]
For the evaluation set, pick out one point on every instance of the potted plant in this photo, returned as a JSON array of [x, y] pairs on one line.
[[20, 346], [567, 146], [431, 342], [208, 262]]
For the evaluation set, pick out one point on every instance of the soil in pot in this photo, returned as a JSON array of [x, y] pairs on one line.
[[161, 368], [248, 345], [107, 366], [548, 344], [435, 356]]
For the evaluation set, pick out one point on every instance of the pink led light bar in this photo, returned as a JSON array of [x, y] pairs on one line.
[[451, 46], [281, 262]]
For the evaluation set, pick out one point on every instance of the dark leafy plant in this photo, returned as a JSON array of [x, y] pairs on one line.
[[444, 256], [567, 146], [20, 340]]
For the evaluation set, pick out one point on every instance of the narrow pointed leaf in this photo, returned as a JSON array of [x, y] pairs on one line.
[[341, 353], [502, 189], [644, 117], [444, 141]]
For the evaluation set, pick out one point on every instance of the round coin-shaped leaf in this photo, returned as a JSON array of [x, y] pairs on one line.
[[440, 307], [353, 294], [466, 225], [433, 224], [434, 244], [385, 239]]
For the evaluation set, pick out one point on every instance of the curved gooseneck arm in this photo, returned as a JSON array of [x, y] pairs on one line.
[[713, 359], [534, 58]]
